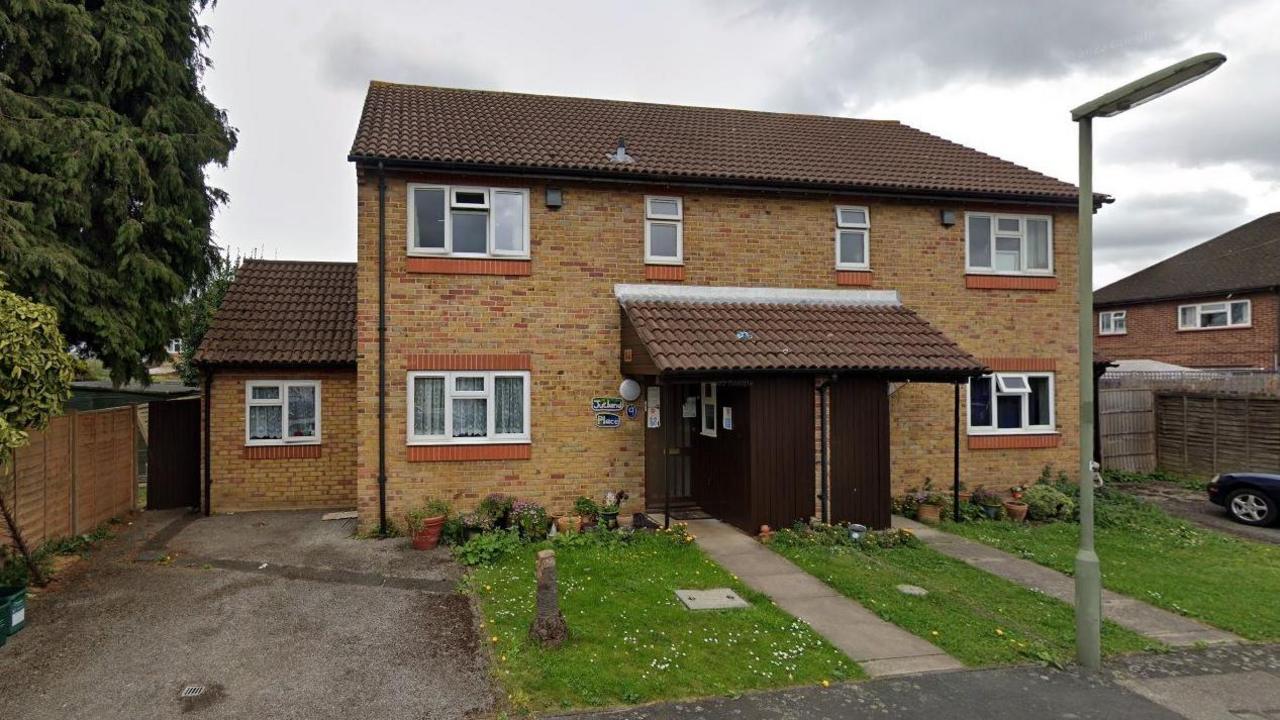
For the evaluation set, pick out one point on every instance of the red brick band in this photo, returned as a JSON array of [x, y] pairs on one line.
[[469, 266], [664, 272], [1007, 282], [280, 452], [1005, 442], [445, 453], [493, 361], [1020, 364], [860, 278]]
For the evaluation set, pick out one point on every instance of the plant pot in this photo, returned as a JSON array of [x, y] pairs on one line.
[[428, 536], [1017, 510], [609, 518], [568, 524], [992, 512], [929, 514], [965, 496]]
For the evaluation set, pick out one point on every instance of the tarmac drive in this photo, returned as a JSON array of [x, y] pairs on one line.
[[332, 627]]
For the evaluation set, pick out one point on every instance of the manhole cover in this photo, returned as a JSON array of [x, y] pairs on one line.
[[191, 691], [713, 599]]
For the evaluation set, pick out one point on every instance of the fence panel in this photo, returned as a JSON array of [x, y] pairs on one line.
[[1201, 435], [1127, 426]]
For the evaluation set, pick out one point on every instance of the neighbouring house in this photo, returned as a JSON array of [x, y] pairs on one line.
[[279, 368], [1212, 306], [764, 317]]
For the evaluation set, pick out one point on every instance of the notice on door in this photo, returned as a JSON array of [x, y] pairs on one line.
[[726, 418], [653, 418], [690, 408]]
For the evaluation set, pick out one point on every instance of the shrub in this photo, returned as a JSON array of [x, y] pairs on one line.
[[530, 519], [838, 536], [416, 517], [487, 548], [983, 496], [1046, 502], [498, 507], [586, 508]]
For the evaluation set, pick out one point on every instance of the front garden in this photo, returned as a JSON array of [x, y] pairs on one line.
[[630, 639]]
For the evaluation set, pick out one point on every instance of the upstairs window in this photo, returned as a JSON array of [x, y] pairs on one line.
[[468, 221], [1213, 316], [1008, 244], [280, 412], [663, 230], [468, 407], [853, 225], [1113, 322], [1011, 403]]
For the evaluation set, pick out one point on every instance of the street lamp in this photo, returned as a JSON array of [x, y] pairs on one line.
[[1088, 573]]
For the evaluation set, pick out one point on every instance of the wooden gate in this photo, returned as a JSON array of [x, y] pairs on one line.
[[859, 437], [173, 454]]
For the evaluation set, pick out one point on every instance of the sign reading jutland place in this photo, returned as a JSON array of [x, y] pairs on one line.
[[606, 404], [608, 420]]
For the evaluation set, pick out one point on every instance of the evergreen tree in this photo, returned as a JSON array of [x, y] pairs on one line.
[[104, 136]]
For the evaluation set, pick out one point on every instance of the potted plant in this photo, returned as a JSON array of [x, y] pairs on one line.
[[498, 507], [569, 524], [587, 509], [929, 511], [964, 494], [475, 523], [1017, 490], [612, 505], [989, 501], [1016, 509], [531, 519], [426, 522]]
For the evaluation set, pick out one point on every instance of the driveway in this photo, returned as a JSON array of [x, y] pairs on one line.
[[1194, 506], [276, 615]]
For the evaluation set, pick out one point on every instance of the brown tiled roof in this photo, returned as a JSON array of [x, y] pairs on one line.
[[285, 313], [1246, 258], [687, 335], [566, 135]]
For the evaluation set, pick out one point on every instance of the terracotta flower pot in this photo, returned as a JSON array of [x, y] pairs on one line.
[[428, 536], [1017, 510], [929, 514], [965, 496], [569, 523]]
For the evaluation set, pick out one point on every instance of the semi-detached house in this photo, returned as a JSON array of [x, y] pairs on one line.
[[765, 317]]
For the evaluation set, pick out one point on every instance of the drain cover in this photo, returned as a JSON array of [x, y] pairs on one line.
[[191, 691], [713, 599]]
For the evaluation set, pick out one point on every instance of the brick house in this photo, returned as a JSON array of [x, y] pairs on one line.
[[762, 316], [1215, 305]]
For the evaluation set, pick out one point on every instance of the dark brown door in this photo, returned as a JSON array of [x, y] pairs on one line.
[[859, 437], [173, 454], [722, 461], [668, 460], [782, 450]]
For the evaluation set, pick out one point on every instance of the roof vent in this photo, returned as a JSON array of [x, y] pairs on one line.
[[620, 154]]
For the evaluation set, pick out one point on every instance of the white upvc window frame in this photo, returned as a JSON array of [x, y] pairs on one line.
[[1113, 322], [283, 403], [450, 205], [864, 227], [995, 219], [450, 393], [1013, 380], [651, 218], [708, 395], [1201, 309]]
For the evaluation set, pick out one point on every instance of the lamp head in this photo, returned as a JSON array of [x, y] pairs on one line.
[[1150, 87]]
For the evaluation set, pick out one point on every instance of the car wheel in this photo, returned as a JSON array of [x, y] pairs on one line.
[[1251, 507]]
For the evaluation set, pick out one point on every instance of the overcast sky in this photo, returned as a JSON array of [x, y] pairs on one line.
[[999, 76]]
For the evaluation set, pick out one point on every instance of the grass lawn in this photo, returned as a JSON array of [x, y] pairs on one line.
[[1151, 556], [978, 618], [631, 639]]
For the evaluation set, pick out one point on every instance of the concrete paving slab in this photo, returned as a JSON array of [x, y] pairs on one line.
[[1169, 628], [712, 599], [880, 647]]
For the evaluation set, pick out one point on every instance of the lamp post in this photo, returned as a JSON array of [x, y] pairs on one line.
[[1088, 572]]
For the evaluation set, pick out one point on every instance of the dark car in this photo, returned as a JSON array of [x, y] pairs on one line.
[[1250, 498]]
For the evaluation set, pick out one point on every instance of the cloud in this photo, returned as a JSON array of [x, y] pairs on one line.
[[1138, 232], [874, 50], [351, 57]]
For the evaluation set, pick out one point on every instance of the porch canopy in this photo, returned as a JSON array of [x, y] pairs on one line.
[[691, 330]]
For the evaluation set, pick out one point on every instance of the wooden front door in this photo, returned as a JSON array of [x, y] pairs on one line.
[[722, 455], [668, 457], [859, 437]]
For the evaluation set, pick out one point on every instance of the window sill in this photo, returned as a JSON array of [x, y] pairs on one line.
[[1010, 282], [475, 451], [291, 451], [1220, 327], [468, 266], [1112, 334], [1007, 441], [855, 278], [663, 272]]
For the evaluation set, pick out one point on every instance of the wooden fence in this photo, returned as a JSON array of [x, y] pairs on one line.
[[1127, 427], [73, 476], [1202, 435]]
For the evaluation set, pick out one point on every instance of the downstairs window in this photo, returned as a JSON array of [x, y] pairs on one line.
[[1011, 403], [279, 412], [468, 407]]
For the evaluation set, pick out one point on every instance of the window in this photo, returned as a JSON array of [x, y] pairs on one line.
[[468, 221], [1112, 322], [1212, 316], [468, 407], [853, 225], [1011, 403], [710, 409], [1008, 244], [280, 412], [174, 346], [663, 230]]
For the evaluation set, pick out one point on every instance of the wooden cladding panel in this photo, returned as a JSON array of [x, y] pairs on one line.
[[859, 447]]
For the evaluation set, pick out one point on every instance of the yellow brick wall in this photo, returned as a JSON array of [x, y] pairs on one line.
[[241, 484], [565, 316]]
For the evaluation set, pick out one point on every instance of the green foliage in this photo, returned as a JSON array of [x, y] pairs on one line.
[[838, 536], [416, 517], [15, 571], [35, 368], [531, 519], [585, 507], [1046, 502], [197, 312], [498, 507], [106, 133], [487, 548]]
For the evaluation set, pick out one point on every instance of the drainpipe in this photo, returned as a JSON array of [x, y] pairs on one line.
[[208, 422], [382, 351], [823, 391], [955, 456]]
